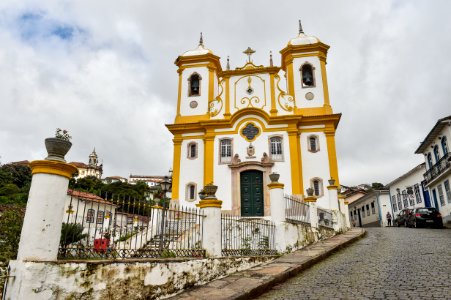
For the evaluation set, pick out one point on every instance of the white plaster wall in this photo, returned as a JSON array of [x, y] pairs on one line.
[[261, 86], [315, 164], [446, 131], [191, 170], [300, 92], [202, 100], [384, 204], [373, 217], [445, 210], [117, 280]]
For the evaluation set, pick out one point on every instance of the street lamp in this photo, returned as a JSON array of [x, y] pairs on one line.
[[165, 187]]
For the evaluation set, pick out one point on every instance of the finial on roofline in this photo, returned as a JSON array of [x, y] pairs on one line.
[[270, 59], [228, 63], [201, 40], [300, 27]]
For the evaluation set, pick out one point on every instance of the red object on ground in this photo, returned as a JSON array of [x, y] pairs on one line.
[[101, 245]]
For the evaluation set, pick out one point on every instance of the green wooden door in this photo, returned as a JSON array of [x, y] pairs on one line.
[[251, 193]]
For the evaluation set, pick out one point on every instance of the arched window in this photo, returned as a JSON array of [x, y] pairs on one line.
[[225, 151], [317, 185], [194, 85], [307, 75], [313, 143], [191, 191], [192, 150], [275, 148], [444, 146], [436, 154], [429, 158]]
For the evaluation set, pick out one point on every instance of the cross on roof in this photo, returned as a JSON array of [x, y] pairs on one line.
[[249, 51]]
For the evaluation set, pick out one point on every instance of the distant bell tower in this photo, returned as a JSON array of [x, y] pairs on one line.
[[93, 159]]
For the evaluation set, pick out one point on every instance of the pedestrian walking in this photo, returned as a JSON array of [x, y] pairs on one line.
[[389, 219]]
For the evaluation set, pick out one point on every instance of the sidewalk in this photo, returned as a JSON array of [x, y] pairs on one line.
[[255, 281]]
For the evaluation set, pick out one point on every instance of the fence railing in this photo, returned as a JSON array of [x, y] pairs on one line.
[[247, 236], [296, 211], [120, 227], [325, 218]]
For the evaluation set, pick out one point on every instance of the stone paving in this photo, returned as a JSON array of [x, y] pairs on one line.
[[389, 263], [252, 282]]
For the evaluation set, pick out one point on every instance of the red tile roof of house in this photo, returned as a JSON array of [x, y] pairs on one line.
[[89, 197]]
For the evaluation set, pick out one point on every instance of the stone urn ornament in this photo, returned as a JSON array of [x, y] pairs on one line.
[[309, 192], [210, 191], [274, 177], [58, 146]]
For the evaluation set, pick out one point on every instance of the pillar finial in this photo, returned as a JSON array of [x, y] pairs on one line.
[[300, 27], [270, 59], [228, 63], [201, 40]]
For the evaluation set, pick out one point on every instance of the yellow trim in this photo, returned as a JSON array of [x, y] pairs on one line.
[[176, 167], [257, 99], [296, 162], [52, 167], [310, 199], [211, 85], [327, 106], [209, 203], [312, 111], [273, 110], [186, 61], [257, 69], [227, 98], [332, 155], [332, 187], [318, 49], [275, 185], [179, 99], [346, 202], [191, 119], [209, 140], [290, 78], [341, 196]]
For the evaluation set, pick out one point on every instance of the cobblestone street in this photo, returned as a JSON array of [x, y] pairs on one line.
[[389, 263]]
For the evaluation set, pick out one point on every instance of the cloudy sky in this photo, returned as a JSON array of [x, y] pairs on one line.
[[104, 70]]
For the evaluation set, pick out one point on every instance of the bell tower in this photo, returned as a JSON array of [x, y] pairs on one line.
[[198, 83], [304, 61]]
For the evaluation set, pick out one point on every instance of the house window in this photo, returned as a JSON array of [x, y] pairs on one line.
[[363, 211], [429, 158], [191, 192], [225, 149], [100, 216], [317, 185], [393, 203], [436, 154], [194, 85], [275, 148], [367, 210], [441, 196], [398, 196], [404, 198], [444, 146], [447, 190], [192, 150], [313, 143], [373, 209], [307, 74], [416, 189], [90, 216], [351, 214]]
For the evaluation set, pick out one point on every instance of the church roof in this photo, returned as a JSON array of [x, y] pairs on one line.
[[200, 50], [303, 39]]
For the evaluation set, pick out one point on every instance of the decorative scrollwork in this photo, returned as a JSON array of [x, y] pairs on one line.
[[251, 102], [285, 100], [216, 105]]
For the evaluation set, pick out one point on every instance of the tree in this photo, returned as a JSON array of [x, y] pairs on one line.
[[10, 227], [377, 186]]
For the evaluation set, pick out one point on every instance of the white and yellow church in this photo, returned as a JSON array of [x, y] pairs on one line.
[[235, 127]]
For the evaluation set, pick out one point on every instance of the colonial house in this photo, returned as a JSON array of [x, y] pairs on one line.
[[95, 214], [150, 180], [113, 179], [409, 191], [93, 168], [371, 209], [234, 127], [435, 149]]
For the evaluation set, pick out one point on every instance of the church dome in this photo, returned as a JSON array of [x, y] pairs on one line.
[[201, 50], [303, 39]]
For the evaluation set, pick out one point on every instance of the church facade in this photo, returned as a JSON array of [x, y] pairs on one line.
[[235, 127]]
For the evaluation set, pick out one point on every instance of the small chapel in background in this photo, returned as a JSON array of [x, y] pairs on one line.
[[234, 127], [93, 168]]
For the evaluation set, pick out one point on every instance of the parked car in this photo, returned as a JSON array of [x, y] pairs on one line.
[[426, 216], [404, 217]]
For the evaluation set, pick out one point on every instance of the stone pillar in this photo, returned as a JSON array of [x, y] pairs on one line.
[[278, 207], [346, 212], [41, 229], [313, 210], [211, 209], [333, 197]]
